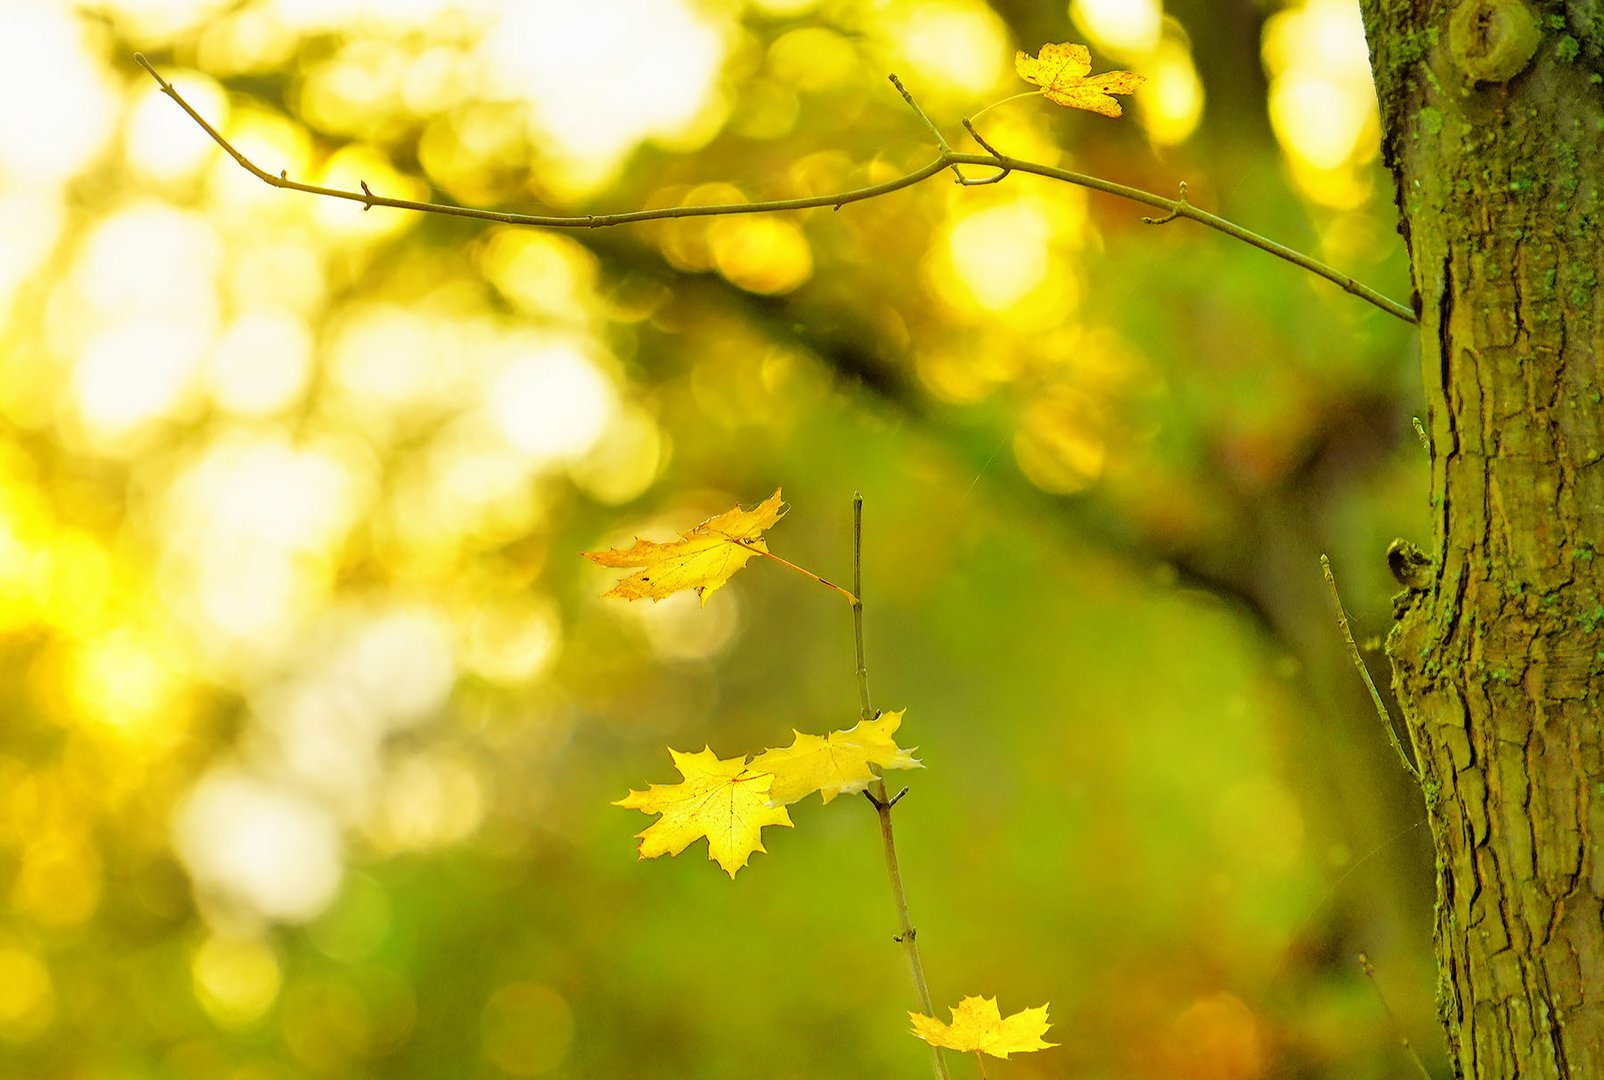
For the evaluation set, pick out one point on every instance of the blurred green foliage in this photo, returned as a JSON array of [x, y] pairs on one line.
[[310, 715]]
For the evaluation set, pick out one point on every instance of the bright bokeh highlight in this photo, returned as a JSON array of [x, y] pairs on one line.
[[1322, 100]]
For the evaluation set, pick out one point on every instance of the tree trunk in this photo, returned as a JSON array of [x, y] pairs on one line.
[[1494, 130]]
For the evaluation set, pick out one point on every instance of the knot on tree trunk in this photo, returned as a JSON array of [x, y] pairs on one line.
[[1493, 40]]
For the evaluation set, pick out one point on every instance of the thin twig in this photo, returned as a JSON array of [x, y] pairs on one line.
[[1364, 672], [969, 126], [907, 934], [1392, 1018], [945, 160], [941, 140]]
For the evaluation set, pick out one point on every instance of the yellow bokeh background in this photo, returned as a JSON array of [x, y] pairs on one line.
[[309, 714]]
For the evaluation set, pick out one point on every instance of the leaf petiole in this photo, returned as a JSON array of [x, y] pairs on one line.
[[850, 598], [1004, 101]]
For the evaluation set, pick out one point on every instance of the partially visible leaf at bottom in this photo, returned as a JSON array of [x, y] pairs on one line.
[[722, 800], [977, 1025]]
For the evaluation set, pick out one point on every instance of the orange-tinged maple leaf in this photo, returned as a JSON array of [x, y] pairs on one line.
[[840, 763], [977, 1025], [1062, 73], [721, 800], [703, 558]]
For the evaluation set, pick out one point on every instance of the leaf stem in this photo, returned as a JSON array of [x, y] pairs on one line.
[[851, 598], [946, 159], [907, 934], [1004, 101]]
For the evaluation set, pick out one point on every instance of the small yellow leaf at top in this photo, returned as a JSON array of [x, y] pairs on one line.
[[1062, 73], [978, 1026], [703, 558]]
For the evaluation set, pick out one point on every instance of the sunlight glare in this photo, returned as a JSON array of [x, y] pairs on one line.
[[70, 577], [274, 143], [542, 273], [392, 363], [150, 260], [60, 106], [134, 374], [252, 528], [765, 255], [603, 77], [551, 402], [159, 140], [154, 20], [1171, 102], [1127, 29], [625, 460], [125, 682], [399, 664], [952, 46], [999, 254], [347, 169], [1322, 97], [30, 224], [261, 363], [1298, 100], [251, 843]]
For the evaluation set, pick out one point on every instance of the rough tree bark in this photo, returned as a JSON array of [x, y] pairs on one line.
[[1493, 116]]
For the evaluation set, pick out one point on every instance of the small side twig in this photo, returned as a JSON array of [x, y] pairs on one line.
[[1175, 211], [1387, 724], [1002, 166], [1392, 1019]]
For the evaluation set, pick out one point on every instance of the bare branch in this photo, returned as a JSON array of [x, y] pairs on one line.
[[947, 159]]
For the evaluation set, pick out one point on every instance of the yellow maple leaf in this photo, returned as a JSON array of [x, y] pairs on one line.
[[978, 1026], [1061, 72], [840, 763], [722, 800], [703, 558]]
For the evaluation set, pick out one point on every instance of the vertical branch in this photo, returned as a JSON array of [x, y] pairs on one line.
[[906, 933], [867, 709]]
